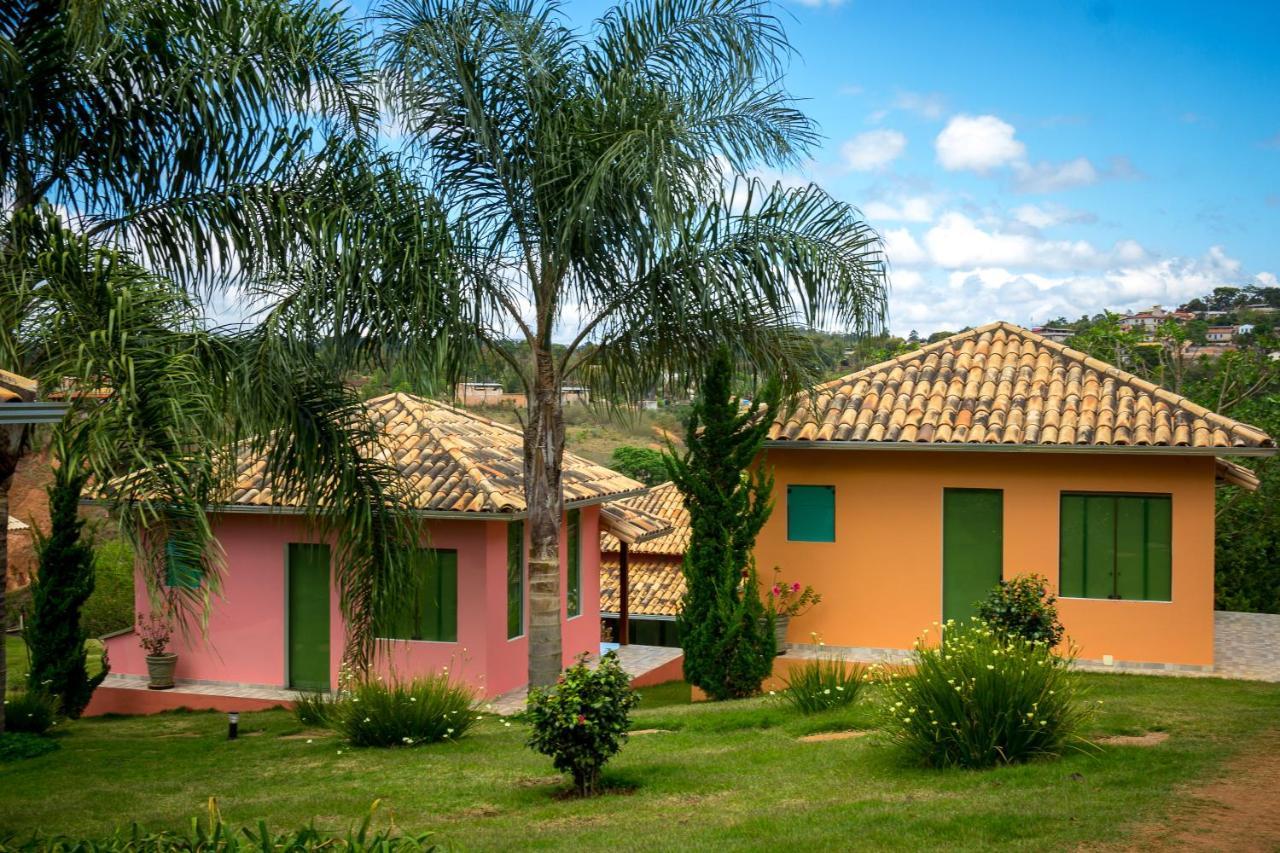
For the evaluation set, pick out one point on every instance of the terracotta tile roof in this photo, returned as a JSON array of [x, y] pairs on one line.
[[452, 461], [628, 524], [15, 388], [657, 584], [1003, 385], [666, 503], [1235, 474]]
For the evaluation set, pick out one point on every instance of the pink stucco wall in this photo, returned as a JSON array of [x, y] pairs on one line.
[[246, 643]]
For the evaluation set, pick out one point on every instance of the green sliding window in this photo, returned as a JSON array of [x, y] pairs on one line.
[[573, 595], [182, 570], [515, 579], [1116, 546], [432, 613], [811, 513]]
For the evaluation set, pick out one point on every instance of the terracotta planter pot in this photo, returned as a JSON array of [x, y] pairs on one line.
[[780, 624], [160, 668]]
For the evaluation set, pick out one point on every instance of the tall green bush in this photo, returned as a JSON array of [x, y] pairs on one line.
[[581, 722], [54, 633], [727, 637], [982, 698]]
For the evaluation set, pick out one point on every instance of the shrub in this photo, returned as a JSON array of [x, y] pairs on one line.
[[215, 835], [983, 698], [31, 712], [582, 721], [639, 463], [1023, 607], [426, 709], [820, 684], [313, 707], [18, 746]]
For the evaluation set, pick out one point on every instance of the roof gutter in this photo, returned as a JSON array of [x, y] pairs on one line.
[[1122, 449], [444, 515]]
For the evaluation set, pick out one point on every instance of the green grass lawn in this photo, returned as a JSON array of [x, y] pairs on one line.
[[16, 656], [730, 775]]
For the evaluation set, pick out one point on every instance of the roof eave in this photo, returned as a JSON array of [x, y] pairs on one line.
[[1119, 449]]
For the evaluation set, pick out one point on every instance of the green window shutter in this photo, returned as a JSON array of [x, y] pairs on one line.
[[1159, 549], [181, 570], [1116, 546], [573, 596], [432, 613], [440, 613], [811, 513], [1071, 545], [1100, 546], [515, 579]]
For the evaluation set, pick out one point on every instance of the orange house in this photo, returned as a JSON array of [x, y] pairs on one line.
[[904, 492]]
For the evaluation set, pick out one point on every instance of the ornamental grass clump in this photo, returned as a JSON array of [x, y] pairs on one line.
[[427, 709], [313, 707], [983, 698], [31, 712], [582, 721], [823, 683]]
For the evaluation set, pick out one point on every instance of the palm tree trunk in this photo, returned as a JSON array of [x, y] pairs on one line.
[[543, 453]]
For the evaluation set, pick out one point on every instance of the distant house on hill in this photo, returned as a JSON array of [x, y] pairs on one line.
[[1054, 333], [1220, 334]]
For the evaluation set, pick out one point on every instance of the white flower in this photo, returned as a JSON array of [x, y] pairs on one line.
[[309, 740]]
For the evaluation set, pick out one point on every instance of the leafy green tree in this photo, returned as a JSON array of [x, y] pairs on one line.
[[728, 642], [219, 141], [597, 184], [54, 635], [640, 463]]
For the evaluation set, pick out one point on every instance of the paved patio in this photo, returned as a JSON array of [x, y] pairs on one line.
[[636, 661]]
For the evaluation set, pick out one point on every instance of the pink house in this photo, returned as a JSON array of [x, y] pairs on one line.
[[277, 621]]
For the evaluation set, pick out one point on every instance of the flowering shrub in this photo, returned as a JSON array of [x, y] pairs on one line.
[[789, 599], [983, 698], [153, 634], [820, 684], [31, 712], [427, 709], [1025, 608], [582, 721]]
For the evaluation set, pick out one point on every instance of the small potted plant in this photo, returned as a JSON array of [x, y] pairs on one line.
[[153, 636], [784, 600]]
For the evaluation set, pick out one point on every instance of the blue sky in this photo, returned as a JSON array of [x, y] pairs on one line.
[[1025, 160]]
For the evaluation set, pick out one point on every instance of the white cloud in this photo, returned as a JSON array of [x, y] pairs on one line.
[[909, 209], [957, 242], [981, 294], [978, 143], [873, 150], [1050, 177], [902, 249], [1041, 216], [930, 105]]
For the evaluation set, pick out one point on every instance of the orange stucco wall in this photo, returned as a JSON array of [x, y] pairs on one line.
[[881, 580]]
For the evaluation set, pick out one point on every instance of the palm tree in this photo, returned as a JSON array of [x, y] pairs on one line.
[[153, 155], [598, 187]]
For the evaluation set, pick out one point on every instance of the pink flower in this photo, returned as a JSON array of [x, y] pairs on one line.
[[582, 721], [777, 591], [795, 587]]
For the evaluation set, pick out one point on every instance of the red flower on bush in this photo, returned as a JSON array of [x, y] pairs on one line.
[[582, 721]]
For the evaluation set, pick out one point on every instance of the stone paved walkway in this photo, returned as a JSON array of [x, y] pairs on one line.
[[203, 688], [635, 660]]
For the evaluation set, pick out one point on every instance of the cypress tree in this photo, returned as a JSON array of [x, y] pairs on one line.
[[54, 634], [728, 641]]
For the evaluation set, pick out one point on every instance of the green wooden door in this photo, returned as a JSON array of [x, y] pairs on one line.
[[972, 548], [308, 616]]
